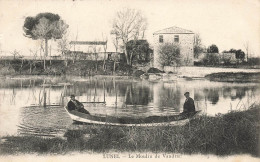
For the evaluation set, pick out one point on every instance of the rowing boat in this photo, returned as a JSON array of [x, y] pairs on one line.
[[130, 121]]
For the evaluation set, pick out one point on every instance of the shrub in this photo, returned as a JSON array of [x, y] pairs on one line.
[[138, 73], [169, 54], [211, 59], [154, 70]]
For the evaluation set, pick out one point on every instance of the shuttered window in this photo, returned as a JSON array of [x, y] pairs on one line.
[[160, 38]]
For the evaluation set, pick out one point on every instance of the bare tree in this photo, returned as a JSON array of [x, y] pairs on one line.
[[15, 53], [246, 45], [198, 48], [105, 52], [74, 55], [33, 61], [1, 49], [115, 56], [129, 24], [63, 47], [95, 51]]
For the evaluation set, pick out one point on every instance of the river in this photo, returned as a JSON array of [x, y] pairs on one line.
[[22, 109]]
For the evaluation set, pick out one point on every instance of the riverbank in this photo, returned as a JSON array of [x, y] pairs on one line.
[[201, 72], [234, 77], [91, 68], [60, 67], [229, 134]]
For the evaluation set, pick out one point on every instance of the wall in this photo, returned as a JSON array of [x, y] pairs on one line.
[[186, 47]]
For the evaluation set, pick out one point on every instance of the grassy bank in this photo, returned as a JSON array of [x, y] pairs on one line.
[[234, 77], [233, 133], [59, 67]]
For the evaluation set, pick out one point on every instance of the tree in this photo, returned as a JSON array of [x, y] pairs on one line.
[[240, 55], [138, 51], [44, 26], [0, 49], [212, 49], [115, 57], [33, 61], [129, 24], [246, 45], [105, 52], [211, 59], [198, 48], [169, 54], [64, 46], [15, 53], [95, 50]]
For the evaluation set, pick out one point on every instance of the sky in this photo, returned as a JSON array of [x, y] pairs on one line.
[[226, 23]]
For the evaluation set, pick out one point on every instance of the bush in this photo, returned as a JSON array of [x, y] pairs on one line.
[[211, 59], [138, 73], [169, 54], [253, 61], [212, 49], [154, 70]]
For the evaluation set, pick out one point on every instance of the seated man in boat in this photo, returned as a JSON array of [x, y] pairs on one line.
[[189, 106], [74, 104]]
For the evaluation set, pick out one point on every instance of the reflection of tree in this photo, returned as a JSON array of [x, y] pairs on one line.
[[13, 96], [241, 92], [169, 98], [212, 95], [226, 92], [198, 96], [136, 95]]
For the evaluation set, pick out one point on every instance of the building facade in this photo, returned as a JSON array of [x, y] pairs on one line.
[[184, 38]]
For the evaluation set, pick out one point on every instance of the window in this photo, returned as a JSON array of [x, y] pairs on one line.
[[160, 38], [176, 39]]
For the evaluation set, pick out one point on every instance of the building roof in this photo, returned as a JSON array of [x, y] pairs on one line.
[[173, 30], [88, 42]]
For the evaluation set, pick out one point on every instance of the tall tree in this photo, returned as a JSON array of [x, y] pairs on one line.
[[64, 46], [44, 26], [138, 51], [105, 51], [95, 49], [198, 48], [115, 57], [240, 55], [246, 45], [129, 24], [212, 49]]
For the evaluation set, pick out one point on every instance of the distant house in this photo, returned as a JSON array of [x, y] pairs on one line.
[[90, 50], [229, 56], [87, 50], [183, 37]]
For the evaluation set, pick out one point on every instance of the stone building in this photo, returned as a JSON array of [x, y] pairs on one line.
[[183, 37]]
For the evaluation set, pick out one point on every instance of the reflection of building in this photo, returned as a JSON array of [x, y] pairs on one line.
[[184, 38]]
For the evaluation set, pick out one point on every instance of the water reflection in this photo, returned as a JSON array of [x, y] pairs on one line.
[[35, 104], [212, 95]]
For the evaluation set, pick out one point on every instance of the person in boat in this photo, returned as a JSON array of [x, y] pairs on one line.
[[74, 104], [189, 106]]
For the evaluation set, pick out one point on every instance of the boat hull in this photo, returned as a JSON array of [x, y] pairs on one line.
[[113, 121]]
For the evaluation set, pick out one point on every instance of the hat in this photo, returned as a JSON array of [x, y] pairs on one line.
[[186, 93], [72, 96]]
